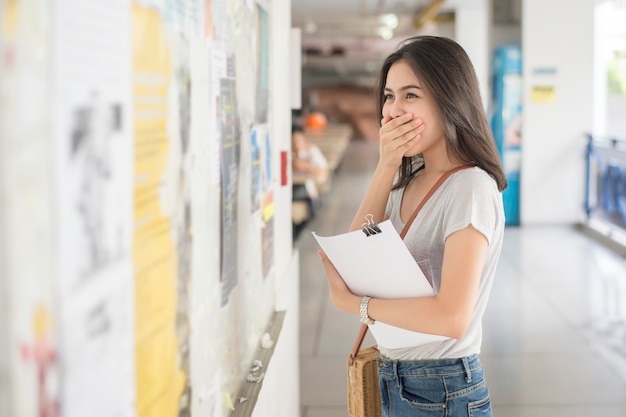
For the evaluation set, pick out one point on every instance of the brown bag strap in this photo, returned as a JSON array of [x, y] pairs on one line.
[[432, 190], [357, 344], [361, 336]]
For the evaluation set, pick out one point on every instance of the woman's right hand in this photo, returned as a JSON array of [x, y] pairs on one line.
[[340, 294], [397, 136]]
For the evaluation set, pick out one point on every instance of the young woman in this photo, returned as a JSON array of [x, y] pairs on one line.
[[432, 122]]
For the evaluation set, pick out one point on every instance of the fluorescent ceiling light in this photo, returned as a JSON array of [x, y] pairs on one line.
[[390, 20], [385, 32]]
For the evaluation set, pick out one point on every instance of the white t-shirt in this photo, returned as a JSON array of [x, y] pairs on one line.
[[469, 196]]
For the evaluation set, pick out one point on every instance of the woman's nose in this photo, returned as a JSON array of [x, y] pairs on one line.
[[396, 109]]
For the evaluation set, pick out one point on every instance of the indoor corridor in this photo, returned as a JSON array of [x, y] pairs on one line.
[[554, 334]]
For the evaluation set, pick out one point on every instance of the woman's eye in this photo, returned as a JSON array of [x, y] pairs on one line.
[[388, 97], [411, 95]]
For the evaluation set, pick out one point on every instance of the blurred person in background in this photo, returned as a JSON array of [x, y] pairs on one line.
[[310, 170]]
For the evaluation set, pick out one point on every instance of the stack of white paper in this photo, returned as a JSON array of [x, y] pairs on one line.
[[380, 265]]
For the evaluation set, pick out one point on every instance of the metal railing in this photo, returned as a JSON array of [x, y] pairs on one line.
[[605, 182]]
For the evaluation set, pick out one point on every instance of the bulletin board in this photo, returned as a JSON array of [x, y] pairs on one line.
[[150, 158]]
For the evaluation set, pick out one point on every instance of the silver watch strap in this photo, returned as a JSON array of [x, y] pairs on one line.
[[363, 310]]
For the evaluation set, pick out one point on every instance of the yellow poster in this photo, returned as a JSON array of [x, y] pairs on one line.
[[9, 18], [159, 378], [543, 94]]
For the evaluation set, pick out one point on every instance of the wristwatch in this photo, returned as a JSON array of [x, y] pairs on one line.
[[365, 318]]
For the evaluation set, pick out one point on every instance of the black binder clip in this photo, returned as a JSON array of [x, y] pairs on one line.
[[370, 228]]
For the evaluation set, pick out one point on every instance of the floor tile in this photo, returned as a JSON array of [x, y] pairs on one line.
[[559, 411], [328, 412], [552, 379], [324, 381]]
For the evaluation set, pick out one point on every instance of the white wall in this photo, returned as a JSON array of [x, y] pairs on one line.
[[472, 31], [280, 393], [280, 73], [556, 35]]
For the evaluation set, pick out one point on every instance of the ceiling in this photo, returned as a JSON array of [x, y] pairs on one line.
[[345, 41]]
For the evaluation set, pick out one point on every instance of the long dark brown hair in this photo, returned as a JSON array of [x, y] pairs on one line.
[[446, 72]]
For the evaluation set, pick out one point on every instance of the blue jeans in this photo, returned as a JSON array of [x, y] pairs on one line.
[[442, 388]]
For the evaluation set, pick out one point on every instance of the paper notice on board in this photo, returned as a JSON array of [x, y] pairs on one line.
[[380, 265], [92, 108]]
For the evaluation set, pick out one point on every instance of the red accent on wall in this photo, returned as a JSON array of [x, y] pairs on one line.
[[284, 180]]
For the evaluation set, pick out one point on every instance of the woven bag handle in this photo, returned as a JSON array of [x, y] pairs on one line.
[[363, 331]]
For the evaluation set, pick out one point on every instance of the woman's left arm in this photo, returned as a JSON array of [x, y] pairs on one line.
[[449, 312]]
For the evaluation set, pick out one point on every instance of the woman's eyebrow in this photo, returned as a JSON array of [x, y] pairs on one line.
[[406, 87]]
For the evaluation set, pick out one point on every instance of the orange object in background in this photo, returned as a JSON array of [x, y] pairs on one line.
[[315, 121]]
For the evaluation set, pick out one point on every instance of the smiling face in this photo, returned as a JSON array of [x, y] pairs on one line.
[[403, 93], [444, 94]]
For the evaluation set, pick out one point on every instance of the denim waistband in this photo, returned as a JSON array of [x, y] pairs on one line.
[[430, 367]]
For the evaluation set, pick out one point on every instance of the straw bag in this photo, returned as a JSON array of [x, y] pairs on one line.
[[363, 391]]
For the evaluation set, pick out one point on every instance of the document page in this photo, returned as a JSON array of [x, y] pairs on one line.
[[380, 265]]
